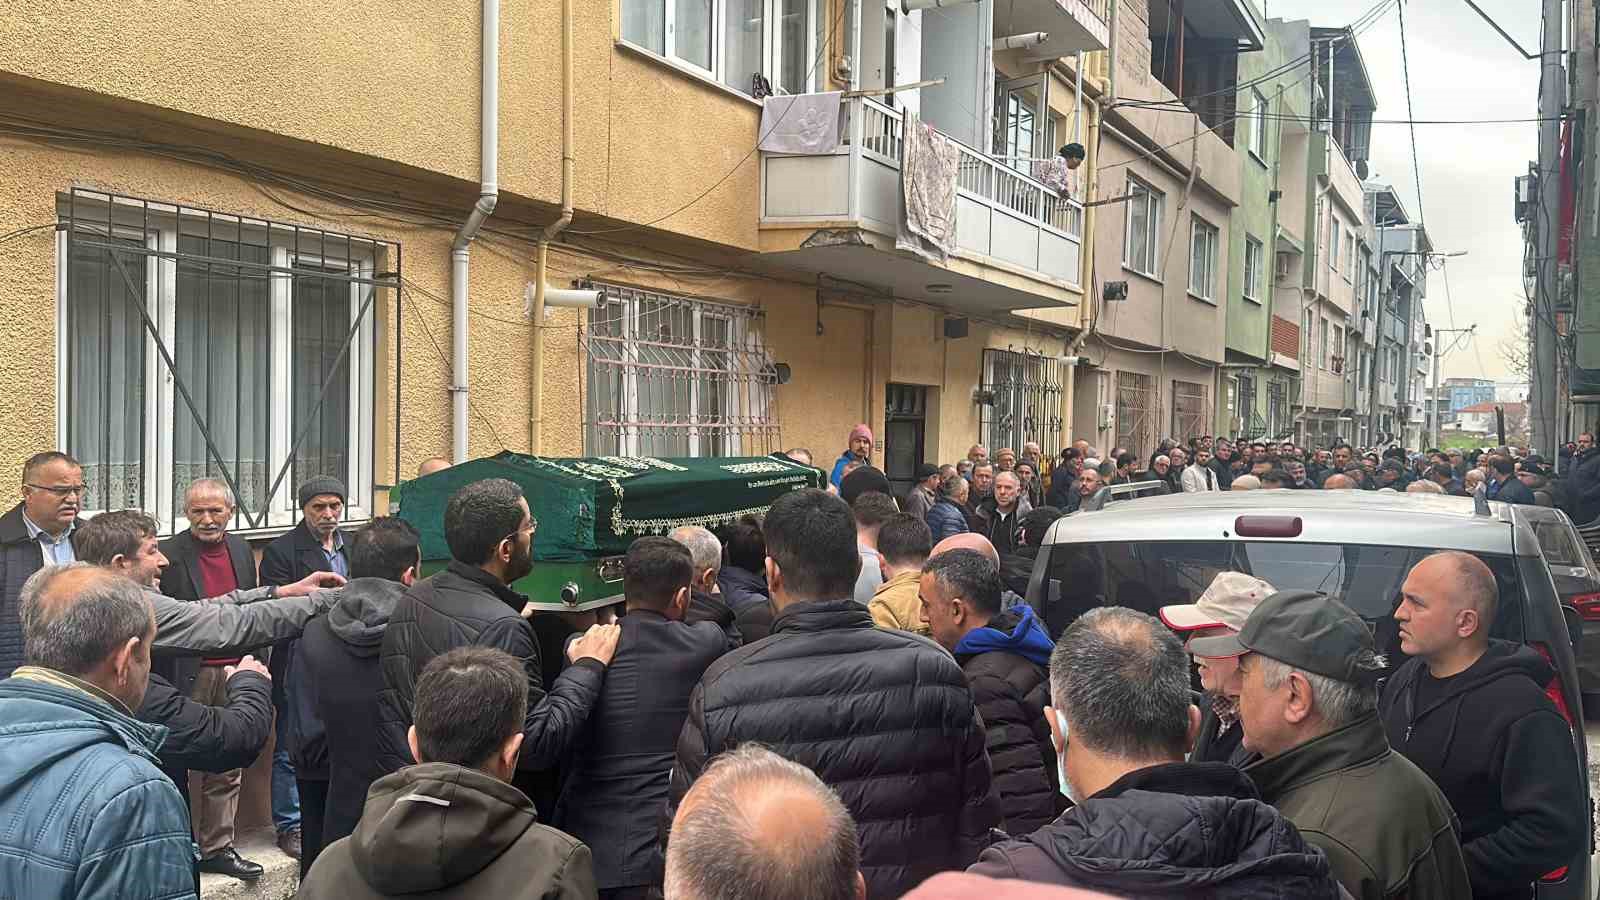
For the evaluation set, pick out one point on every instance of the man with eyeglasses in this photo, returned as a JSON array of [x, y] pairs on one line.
[[35, 533]]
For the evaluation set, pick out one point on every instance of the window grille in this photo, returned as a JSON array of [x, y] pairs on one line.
[[677, 376], [1025, 393], [1135, 412], [264, 371], [1190, 410]]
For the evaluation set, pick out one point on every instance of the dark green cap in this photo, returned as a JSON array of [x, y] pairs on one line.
[[1303, 629]]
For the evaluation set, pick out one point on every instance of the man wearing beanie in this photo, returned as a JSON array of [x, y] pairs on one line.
[[300, 760], [858, 451]]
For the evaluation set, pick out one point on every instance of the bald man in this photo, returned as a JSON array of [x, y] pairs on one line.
[[1471, 712], [757, 825], [1339, 482], [431, 465]]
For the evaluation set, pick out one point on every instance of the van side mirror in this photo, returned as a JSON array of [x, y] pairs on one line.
[[1574, 626]]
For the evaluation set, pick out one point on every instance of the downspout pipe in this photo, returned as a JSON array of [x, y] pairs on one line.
[[550, 233], [488, 198]]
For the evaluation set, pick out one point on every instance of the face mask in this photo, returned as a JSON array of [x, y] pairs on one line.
[[1065, 786]]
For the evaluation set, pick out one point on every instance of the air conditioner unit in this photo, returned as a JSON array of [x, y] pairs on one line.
[[1282, 268]]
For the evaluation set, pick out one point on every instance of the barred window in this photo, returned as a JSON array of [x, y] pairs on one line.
[[267, 375], [1135, 411], [677, 376], [1189, 410], [1025, 394]]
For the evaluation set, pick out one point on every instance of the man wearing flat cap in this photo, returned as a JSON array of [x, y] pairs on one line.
[[1309, 705], [300, 760]]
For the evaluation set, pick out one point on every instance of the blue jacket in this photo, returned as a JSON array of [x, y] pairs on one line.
[[87, 813], [844, 459], [945, 518]]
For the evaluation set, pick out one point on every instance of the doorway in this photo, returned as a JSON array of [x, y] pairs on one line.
[[905, 432]]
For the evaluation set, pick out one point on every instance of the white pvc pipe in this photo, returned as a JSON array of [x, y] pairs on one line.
[[488, 197], [1022, 41], [910, 6]]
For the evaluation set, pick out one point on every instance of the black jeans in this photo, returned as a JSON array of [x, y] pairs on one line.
[[313, 807]]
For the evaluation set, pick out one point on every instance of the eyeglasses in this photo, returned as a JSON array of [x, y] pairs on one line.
[[72, 490]]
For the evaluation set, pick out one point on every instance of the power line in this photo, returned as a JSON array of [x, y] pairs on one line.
[[1416, 166]]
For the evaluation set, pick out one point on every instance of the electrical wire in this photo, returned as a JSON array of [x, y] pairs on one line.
[[421, 320], [1416, 164], [833, 31]]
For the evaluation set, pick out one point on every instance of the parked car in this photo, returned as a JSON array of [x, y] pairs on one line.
[[1577, 580], [1356, 546]]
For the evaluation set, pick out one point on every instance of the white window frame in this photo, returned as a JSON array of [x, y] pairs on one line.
[[1203, 266], [1155, 209], [1349, 253], [1333, 241], [771, 44], [161, 397], [1258, 125], [1322, 344], [1254, 255]]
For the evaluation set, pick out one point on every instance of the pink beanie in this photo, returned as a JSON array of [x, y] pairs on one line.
[[861, 431]]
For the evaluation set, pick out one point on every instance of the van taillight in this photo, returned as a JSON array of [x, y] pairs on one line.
[[1587, 605], [1553, 691], [1267, 526]]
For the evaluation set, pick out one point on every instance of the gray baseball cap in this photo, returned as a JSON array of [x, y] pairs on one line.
[[1304, 629]]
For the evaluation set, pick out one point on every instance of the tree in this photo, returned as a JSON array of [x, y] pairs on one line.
[[1514, 349]]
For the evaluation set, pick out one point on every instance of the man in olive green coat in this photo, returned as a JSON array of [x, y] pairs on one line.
[[1309, 707]]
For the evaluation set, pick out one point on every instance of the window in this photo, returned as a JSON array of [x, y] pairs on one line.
[[1203, 237], [1135, 408], [734, 40], [1361, 369], [1189, 410], [1306, 327], [1026, 388], [1254, 259], [1349, 252], [675, 376], [1338, 348], [1333, 242], [270, 330], [1258, 124], [1143, 227], [1322, 345]]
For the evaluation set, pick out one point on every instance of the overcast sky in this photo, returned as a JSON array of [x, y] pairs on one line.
[[1460, 69]]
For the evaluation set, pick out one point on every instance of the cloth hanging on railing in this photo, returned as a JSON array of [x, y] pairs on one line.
[[1054, 174], [929, 165], [802, 124]]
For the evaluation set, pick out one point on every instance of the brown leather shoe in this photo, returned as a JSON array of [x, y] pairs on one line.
[[289, 842]]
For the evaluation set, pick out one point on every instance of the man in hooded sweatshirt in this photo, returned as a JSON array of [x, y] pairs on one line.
[[1472, 713], [340, 655], [1005, 656], [1146, 822], [858, 450], [453, 825]]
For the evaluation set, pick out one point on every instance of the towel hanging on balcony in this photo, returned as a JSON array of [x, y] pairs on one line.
[[929, 163], [803, 124]]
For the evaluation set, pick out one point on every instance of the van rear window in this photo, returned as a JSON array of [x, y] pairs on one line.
[[1147, 575]]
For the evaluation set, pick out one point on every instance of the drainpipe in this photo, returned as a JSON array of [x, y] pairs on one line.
[[551, 231], [1085, 255], [488, 197]]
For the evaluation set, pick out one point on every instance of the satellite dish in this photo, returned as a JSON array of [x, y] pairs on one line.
[[1361, 169]]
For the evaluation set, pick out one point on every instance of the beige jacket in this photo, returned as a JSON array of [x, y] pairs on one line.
[[895, 604]]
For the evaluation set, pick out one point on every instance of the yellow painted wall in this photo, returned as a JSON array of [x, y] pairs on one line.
[[398, 82]]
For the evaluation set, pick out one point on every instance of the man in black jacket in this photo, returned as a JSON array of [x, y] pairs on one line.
[[1583, 482], [1503, 483], [299, 762], [1472, 713], [743, 579], [339, 657], [205, 560], [706, 603], [1016, 570], [489, 530], [1004, 656], [33, 533], [617, 786], [884, 717], [1145, 820]]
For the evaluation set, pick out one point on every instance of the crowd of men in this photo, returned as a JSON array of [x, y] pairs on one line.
[[846, 698]]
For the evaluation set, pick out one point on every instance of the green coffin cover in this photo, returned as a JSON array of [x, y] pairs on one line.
[[596, 506]]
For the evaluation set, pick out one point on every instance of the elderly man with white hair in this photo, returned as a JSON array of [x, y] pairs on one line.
[[706, 603]]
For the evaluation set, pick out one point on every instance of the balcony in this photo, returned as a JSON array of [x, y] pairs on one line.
[[1071, 25], [1018, 242]]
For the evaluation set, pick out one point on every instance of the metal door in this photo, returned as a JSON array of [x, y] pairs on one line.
[[905, 430]]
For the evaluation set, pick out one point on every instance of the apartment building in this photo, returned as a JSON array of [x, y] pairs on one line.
[[1268, 234], [276, 244], [1401, 334], [1155, 336]]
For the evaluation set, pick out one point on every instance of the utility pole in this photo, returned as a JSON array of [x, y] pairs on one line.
[[1435, 427], [1552, 91]]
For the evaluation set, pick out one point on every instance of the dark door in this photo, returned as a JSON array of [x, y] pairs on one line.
[[904, 421]]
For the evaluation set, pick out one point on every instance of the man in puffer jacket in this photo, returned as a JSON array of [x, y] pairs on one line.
[[1147, 823], [1004, 656], [946, 516], [882, 716]]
